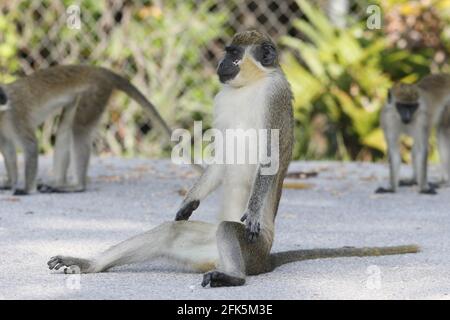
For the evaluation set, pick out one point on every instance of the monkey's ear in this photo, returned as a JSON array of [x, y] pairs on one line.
[[389, 96], [3, 97], [268, 54]]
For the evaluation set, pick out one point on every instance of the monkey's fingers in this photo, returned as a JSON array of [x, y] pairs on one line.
[[206, 279], [186, 210], [52, 262], [252, 230], [244, 217], [220, 279], [56, 263]]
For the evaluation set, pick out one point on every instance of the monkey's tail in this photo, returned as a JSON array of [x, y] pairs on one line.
[[126, 86], [280, 258]]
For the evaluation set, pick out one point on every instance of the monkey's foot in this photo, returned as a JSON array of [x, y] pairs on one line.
[[73, 265], [413, 182], [20, 192], [45, 188], [429, 191], [435, 185], [220, 279], [186, 210], [5, 187], [384, 190]]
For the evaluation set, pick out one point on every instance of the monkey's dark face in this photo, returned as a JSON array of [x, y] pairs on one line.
[[406, 110], [229, 66], [406, 100], [243, 64]]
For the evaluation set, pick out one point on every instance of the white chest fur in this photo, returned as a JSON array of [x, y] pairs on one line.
[[241, 107]]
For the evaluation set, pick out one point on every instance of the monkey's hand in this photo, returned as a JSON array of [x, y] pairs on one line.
[[186, 210], [252, 226]]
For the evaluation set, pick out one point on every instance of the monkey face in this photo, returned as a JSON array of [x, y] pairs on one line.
[[229, 66], [250, 56], [406, 111], [405, 98]]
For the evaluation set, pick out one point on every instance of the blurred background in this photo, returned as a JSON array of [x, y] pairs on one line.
[[340, 57]]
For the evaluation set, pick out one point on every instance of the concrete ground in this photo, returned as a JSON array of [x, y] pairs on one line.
[[128, 196]]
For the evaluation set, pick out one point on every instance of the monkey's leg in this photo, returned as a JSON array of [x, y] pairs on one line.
[[61, 157], [81, 153], [413, 181], [444, 152], [191, 243], [10, 157], [30, 147], [394, 170], [238, 257], [420, 148]]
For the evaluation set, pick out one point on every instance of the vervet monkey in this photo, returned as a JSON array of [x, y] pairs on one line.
[[83, 93], [414, 109], [255, 95]]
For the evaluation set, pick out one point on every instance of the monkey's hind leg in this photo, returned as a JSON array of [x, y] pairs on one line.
[[238, 257], [8, 151], [61, 157], [443, 134], [190, 243]]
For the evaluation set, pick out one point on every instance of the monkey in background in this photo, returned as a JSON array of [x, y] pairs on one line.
[[82, 92], [414, 109], [255, 95]]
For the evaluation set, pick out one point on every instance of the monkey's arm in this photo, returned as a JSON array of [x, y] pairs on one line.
[[207, 183], [252, 216]]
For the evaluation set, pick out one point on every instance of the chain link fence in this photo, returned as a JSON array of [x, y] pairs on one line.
[[47, 33]]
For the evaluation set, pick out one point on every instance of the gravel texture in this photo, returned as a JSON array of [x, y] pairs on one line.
[[128, 196]]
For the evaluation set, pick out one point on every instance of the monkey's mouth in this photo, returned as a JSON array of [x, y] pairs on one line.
[[406, 121], [226, 76]]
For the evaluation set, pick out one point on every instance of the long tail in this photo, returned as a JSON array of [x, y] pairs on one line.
[[279, 258], [126, 86]]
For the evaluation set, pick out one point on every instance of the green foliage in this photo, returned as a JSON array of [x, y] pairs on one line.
[[339, 79], [165, 42], [8, 45], [338, 89], [157, 45]]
